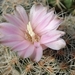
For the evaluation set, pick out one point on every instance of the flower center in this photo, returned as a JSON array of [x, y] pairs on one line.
[[30, 35]]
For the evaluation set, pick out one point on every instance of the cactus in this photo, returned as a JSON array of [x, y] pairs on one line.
[[60, 62]]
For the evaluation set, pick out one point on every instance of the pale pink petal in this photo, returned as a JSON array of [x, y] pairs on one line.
[[51, 36], [9, 29], [44, 21], [21, 14], [21, 53], [56, 45], [38, 52], [37, 8], [53, 25], [29, 51], [11, 38], [36, 12], [10, 44], [15, 21], [21, 46], [26, 52]]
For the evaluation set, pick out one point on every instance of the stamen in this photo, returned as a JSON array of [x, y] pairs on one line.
[[30, 31], [31, 36]]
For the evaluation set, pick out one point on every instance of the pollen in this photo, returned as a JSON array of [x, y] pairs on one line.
[[30, 31], [30, 35]]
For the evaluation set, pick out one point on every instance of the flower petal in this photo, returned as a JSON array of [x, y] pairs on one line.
[[44, 21], [21, 53], [26, 52], [36, 11], [21, 46], [15, 21], [53, 25], [37, 54], [9, 29], [10, 44], [51, 36], [56, 45], [11, 38], [29, 51], [21, 14]]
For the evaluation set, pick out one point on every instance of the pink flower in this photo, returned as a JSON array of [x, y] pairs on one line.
[[30, 35]]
